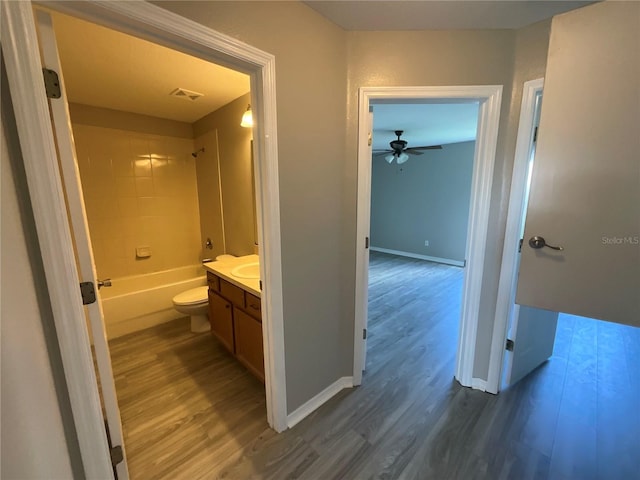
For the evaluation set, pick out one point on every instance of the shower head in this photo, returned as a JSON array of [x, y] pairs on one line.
[[197, 152]]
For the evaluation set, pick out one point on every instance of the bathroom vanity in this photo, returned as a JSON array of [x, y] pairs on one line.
[[235, 311]]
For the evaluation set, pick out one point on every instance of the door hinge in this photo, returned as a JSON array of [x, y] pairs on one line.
[[88, 292], [116, 455], [364, 333], [260, 285], [369, 140], [520, 245], [51, 83], [509, 346], [535, 135], [366, 242]]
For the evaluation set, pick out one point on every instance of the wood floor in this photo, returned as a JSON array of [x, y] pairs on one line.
[[190, 411]]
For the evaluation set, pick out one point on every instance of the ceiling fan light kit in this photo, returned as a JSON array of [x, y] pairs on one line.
[[400, 152]]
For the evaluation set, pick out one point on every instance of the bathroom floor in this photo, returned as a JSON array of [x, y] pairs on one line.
[[185, 402]]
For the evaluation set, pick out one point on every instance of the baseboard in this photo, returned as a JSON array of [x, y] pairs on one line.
[[479, 384], [446, 261], [314, 403]]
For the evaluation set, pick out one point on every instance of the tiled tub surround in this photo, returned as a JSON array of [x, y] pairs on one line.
[[139, 190]]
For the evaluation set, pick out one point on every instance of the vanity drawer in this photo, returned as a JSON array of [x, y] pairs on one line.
[[213, 281], [232, 293], [253, 305]]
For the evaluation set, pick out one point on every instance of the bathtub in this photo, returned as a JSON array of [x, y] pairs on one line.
[[142, 301]]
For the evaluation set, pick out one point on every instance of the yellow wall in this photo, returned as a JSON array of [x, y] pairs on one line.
[[226, 165], [139, 190]]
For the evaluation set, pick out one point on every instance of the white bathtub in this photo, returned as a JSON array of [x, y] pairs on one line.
[[142, 301]]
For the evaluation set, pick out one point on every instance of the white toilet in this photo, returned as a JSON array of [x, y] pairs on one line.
[[195, 303]]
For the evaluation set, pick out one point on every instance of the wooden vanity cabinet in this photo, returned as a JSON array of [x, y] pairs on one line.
[[221, 320], [236, 320], [249, 349]]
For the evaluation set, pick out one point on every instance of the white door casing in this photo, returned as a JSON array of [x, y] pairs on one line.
[[24, 71], [585, 191], [362, 261], [489, 98], [80, 231], [20, 50]]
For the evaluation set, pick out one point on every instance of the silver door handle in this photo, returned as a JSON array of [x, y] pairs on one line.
[[539, 242], [104, 283]]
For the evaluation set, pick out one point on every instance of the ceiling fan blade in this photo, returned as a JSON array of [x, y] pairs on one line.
[[430, 147], [411, 152]]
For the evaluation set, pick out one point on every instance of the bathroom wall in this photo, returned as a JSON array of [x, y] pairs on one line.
[[225, 180], [139, 182]]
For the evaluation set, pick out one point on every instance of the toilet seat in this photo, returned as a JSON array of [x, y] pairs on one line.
[[192, 297]]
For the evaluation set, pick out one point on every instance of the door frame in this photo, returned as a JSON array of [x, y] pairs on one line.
[[508, 280], [489, 98], [20, 50]]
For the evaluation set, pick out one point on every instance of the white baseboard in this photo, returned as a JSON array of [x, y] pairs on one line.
[[314, 403], [446, 261], [479, 384]]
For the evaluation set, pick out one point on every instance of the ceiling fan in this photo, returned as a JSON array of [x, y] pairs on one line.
[[399, 151]]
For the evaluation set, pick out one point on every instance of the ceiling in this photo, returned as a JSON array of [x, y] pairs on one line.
[[424, 124], [109, 69], [440, 15]]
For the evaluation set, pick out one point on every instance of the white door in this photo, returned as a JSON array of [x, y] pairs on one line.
[[532, 331], [84, 256], [585, 190]]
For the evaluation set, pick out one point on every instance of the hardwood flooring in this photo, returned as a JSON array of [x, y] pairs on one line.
[[190, 411]]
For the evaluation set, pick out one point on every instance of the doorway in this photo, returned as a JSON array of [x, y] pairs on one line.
[[155, 24], [488, 99], [422, 165], [151, 169]]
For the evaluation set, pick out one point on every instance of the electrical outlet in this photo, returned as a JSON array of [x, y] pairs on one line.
[[426, 243]]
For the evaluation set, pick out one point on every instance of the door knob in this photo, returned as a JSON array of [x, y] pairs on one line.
[[539, 242], [104, 283]]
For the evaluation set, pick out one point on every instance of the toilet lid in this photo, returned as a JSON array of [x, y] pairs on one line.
[[193, 296]]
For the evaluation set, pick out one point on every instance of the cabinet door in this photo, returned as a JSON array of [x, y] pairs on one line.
[[249, 343], [221, 319]]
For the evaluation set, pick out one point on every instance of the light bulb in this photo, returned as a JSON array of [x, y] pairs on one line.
[[389, 158], [247, 118], [403, 157]]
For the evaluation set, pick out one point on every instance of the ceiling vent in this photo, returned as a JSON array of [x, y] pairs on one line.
[[186, 94]]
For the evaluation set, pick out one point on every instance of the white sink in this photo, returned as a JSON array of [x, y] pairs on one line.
[[250, 271]]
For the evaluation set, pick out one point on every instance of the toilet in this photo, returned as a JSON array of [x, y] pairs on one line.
[[195, 303]]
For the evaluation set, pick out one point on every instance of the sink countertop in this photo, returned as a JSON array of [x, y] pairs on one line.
[[223, 270]]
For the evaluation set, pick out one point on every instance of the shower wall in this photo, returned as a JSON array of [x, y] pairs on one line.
[[139, 184]]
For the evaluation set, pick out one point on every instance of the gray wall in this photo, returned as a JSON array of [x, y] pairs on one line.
[[426, 198], [530, 61], [318, 177], [35, 408], [464, 57], [311, 72]]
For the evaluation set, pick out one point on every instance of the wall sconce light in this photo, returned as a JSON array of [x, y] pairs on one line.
[[247, 118]]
